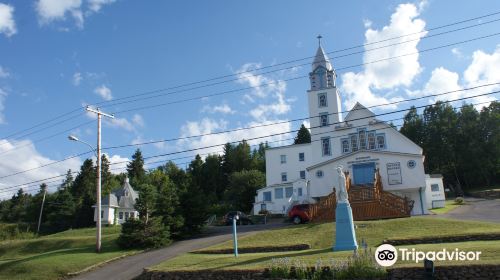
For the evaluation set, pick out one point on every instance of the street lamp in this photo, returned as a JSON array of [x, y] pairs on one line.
[[98, 190], [236, 217]]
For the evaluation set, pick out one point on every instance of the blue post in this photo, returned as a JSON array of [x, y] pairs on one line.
[[235, 238]]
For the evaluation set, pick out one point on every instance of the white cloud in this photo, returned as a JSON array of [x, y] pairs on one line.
[[389, 74], [7, 23], [223, 109], [367, 23], [4, 73], [77, 78], [104, 92], [255, 81], [207, 125], [52, 10], [96, 5], [26, 158], [118, 164], [263, 111], [57, 10], [120, 123], [456, 52], [3, 95], [482, 70], [137, 120]]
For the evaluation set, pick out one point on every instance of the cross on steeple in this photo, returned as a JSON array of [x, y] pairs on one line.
[[319, 39]]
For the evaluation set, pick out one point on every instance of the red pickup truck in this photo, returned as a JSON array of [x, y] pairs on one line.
[[299, 213]]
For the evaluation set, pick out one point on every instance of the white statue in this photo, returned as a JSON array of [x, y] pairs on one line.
[[342, 195]]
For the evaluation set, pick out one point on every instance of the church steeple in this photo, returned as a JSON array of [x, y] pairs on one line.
[[322, 73]]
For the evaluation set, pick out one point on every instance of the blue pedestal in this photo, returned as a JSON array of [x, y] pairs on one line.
[[345, 236]]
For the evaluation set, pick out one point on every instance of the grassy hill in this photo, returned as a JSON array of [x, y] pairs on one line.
[[53, 256], [321, 237]]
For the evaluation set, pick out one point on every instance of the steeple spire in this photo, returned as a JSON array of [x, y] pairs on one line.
[[320, 59]]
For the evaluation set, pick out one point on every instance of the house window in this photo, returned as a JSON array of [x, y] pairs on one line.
[[354, 142], [371, 140], [301, 157], [283, 159], [283, 177], [362, 139], [132, 215], [323, 119], [302, 174], [120, 215], [263, 207], [278, 193], [267, 196], [322, 102], [325, 146], [345, 146], [380, 141], [288, 192], [319, 173], [102, 214], [435, 187], [126, 216], [299, 191]]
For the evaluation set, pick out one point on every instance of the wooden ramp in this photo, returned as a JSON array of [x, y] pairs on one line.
[[367, 203]]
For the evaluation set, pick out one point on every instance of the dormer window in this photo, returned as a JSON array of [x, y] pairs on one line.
[[322, 101]]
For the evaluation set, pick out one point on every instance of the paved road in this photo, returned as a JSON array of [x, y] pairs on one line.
[[130, 267], [476, 209]]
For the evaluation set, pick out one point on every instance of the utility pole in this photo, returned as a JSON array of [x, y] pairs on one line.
[[41, 210], [98, 177]]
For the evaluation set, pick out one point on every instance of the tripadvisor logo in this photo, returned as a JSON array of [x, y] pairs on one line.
[[387, 255]]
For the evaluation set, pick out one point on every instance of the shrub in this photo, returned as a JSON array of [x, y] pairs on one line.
[[263, 212], [15, 231], [459, 200], [139, 234]]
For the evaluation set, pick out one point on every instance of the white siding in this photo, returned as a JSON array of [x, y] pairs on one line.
[[292, 167]]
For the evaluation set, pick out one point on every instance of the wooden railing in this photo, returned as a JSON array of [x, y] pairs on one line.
[[367, 203]]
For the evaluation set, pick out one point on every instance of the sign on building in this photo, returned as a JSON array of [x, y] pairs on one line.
[[394, 173]]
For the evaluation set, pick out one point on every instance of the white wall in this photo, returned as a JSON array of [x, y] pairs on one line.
[[280, 205], [292, 167], [435, 199], [108, 215]]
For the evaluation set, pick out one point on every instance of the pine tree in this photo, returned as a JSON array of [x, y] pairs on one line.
[[135, 169], [83, 191], [303, 136], [109, 181], [145, 204]]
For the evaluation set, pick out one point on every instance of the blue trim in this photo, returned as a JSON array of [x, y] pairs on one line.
[[421, 202]]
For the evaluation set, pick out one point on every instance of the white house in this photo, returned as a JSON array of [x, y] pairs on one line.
[[360, 142], [434, 191], [118, 206]]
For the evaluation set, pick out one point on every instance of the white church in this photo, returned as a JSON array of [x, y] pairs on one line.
[[359, 142]]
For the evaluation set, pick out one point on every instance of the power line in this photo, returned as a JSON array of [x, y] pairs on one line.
[[275, 65], [261, 137], [247, 128]]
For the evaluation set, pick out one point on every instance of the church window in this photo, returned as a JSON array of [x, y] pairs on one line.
[[302, 174], [283, 159], [283, 177], [362, 139], [301, 157], [319, 173], [278, 193], [325, 146], [288, 192], [345, 145], [267, 196], [120, 215], [380, 141], [371, 140], [299, 191], [354, 142], [323, 119], [322, 102]]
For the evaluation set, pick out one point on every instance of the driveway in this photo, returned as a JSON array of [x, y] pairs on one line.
[[130, 267], [476, 209]]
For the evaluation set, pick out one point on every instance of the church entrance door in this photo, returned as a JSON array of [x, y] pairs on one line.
[[364, 173]]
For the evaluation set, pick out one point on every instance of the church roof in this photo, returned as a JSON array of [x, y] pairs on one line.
[[124, 197], [360, 109], [321, 59]]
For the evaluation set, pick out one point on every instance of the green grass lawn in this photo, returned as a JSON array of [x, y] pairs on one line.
[[320, 237], [53, 256], [448, 206]]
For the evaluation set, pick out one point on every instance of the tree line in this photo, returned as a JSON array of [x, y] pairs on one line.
[[175, 199], [463, 145]]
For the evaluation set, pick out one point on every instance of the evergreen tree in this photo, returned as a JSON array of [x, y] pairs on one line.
[[109, 182], [83, 191], [68, 180], [60, 211], [413, 126], [145, 204], [303, 136], [167, 202], [243, 188], [135, 169]]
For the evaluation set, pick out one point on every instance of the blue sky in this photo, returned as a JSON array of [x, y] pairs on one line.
[[59, 55]]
